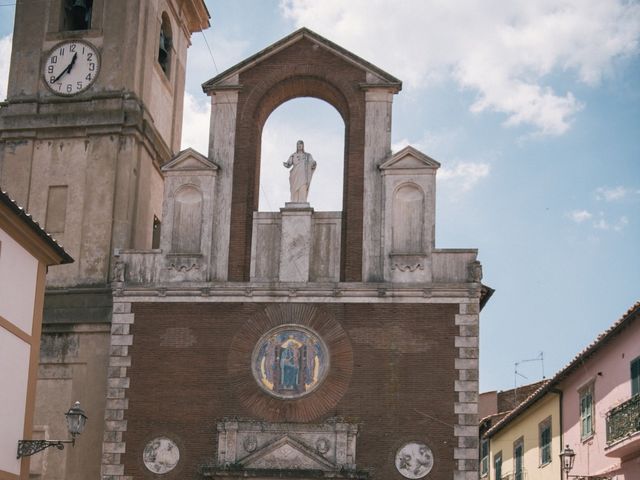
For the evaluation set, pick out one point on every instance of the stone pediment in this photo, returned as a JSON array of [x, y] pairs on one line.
[[189, 160], [410, 158], [375, 75], [286, 453]]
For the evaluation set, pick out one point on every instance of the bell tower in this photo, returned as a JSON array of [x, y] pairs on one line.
[[93, 111]]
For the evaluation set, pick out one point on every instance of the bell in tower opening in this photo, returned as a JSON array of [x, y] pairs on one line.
[[78, 14]]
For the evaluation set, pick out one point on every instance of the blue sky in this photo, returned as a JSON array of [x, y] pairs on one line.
[[533, 109]]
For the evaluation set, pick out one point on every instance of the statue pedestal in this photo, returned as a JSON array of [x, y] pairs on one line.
[[296, 206], [295, 243]]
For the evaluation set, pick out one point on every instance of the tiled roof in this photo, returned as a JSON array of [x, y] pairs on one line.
[[629, 316], [35, 226]]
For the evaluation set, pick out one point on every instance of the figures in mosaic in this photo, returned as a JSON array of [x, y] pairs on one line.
[[290, 362]]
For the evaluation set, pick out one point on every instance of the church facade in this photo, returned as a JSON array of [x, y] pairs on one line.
[[214, 339]]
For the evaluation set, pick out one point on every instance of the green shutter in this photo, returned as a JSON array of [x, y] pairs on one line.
[[635, 377]]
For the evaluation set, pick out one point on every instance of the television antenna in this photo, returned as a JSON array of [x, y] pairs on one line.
[[517, 373]]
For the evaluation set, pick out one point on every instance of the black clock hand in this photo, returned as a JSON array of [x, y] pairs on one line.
[[73, 61], [67, 69]]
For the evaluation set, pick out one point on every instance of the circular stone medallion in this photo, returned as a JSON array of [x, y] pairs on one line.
[[290, 361], [414, 460], [161, 455]]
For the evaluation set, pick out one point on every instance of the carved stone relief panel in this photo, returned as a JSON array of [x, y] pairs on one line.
[[329, 446], [414, 460], [161, 455]]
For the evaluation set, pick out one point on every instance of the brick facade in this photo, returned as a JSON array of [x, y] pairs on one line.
[[402, 388]]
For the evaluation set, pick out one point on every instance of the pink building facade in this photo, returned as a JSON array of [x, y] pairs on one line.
[[601, 403]]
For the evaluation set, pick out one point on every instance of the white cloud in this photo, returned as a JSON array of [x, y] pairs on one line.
[[610, 194], [459, 176], [603, 224], [621, 223], [195, 126], [464, 175], [504, 51], [579, 216], [5, 59]]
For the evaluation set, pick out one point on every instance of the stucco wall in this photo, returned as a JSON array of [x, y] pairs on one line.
[[18, 273], [527, 428], [609, 372], [14, 375]]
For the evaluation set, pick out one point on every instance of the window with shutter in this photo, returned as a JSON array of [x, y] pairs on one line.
[[635, 377]]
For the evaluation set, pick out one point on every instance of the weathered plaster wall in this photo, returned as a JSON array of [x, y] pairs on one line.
[[73, 366]]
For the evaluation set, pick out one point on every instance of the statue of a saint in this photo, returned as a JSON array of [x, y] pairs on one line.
[[302, 167]]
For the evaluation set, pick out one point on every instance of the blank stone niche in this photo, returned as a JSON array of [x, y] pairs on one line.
[[187, 220], [187, 216], [408, 219], [409, 216]]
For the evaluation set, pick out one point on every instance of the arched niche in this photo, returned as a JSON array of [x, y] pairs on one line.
[[303, 64], [257, 109], [187, 220], [323, 135], [408, 219]]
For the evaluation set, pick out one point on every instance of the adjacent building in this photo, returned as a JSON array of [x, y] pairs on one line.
[[591, 406], [601, 403], [26, 251]]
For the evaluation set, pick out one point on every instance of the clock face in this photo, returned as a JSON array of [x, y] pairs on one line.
[[71, 67]]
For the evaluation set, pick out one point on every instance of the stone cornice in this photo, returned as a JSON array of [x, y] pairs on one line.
[[102, 113], [320, 293]]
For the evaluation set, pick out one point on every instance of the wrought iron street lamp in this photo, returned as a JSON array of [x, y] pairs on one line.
[[567, 457], [76, 420]]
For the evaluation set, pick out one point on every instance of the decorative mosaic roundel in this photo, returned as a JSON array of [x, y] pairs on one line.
[[161, 455], [290, 361], [414, 460]]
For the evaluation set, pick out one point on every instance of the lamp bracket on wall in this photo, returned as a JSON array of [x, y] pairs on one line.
[[26, 448], [76, 420]]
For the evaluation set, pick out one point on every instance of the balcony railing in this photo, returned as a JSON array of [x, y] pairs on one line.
[[623, 420]]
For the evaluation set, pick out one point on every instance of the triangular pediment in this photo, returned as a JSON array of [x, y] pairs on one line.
[[286, 453], [189, 160], [410, 158], [375, 76]]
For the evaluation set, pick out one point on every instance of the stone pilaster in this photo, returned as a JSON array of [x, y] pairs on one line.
[[377, 147], [466, 386], [113, 445], [222, 137]]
